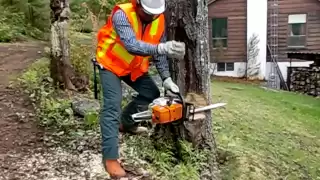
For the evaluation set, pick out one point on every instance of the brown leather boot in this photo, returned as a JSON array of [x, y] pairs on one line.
[[114, 169]]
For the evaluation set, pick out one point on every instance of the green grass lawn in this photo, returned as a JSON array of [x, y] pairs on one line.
[[268, 135]]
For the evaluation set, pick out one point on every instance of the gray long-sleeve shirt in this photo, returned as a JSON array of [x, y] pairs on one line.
[[137, 47]]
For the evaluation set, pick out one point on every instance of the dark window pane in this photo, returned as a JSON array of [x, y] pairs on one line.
[[297, 29], [297, 35], [219, 27], [221, 66], [230, 66], [220, 32]]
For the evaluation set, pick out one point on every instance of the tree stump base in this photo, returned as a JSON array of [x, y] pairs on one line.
[[191, 131]]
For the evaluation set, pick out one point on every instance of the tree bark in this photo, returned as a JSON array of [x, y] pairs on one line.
[[61, 68], [187, 21]]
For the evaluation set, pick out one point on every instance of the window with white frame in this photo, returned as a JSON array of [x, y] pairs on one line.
[[225, 67], [297, 30]]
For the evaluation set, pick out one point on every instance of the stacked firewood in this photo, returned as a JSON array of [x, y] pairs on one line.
[[305, 80]]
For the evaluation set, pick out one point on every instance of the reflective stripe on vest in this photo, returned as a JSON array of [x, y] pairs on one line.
[[106, 44]]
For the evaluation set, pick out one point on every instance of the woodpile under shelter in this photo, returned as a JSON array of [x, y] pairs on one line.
[[305, 79]]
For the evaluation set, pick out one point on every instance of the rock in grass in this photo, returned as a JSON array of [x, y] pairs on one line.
[[82, 106]]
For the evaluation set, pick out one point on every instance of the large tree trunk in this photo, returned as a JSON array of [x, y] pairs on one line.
[[61, 69], [187, 21]]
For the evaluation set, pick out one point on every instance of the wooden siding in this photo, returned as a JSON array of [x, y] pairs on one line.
[[236, 12], [287, 7]]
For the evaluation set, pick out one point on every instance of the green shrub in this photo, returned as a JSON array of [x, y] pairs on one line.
[[162, 161], [88, 14], [36, 82], [11, 25], [53, 108], [55, 113], [31, 18], [21, 18], [36, 79], [81, 58]]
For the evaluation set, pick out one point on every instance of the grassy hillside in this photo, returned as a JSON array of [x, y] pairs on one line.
[[267, 135]]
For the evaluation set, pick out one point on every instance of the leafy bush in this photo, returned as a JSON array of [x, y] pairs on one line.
[[162, 161], [36, 80], [53, 109], [31, 18], [82, 51], [91, 14], [81, 58], [11, 27], [21, 18]]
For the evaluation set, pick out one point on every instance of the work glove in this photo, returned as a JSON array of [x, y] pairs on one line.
[[168, 84], [172, 49]]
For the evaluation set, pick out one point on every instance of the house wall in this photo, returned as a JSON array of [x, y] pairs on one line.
[[287, 7], [245, 18], [248, 17], [238, 71], [235, 11]]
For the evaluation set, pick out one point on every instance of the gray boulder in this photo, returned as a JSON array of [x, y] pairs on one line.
[[82, 106]]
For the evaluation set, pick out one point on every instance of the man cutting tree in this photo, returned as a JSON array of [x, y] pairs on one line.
[[134, 34]]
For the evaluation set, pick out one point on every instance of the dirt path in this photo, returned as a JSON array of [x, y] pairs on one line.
[[18, 133], [23, 154]]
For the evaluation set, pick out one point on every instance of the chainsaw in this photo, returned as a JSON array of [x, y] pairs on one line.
[[171, 108]]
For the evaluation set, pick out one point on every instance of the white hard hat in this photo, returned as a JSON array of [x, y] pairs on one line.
[[153, 6]]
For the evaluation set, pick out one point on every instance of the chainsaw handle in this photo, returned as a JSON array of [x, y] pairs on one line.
[[172, 95]]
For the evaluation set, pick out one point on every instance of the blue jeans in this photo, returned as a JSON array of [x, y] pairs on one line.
[[111, 116]]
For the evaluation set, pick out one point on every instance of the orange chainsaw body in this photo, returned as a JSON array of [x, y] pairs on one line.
[[166, 114]]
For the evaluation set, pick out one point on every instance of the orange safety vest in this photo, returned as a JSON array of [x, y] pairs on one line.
[[111, 53]]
